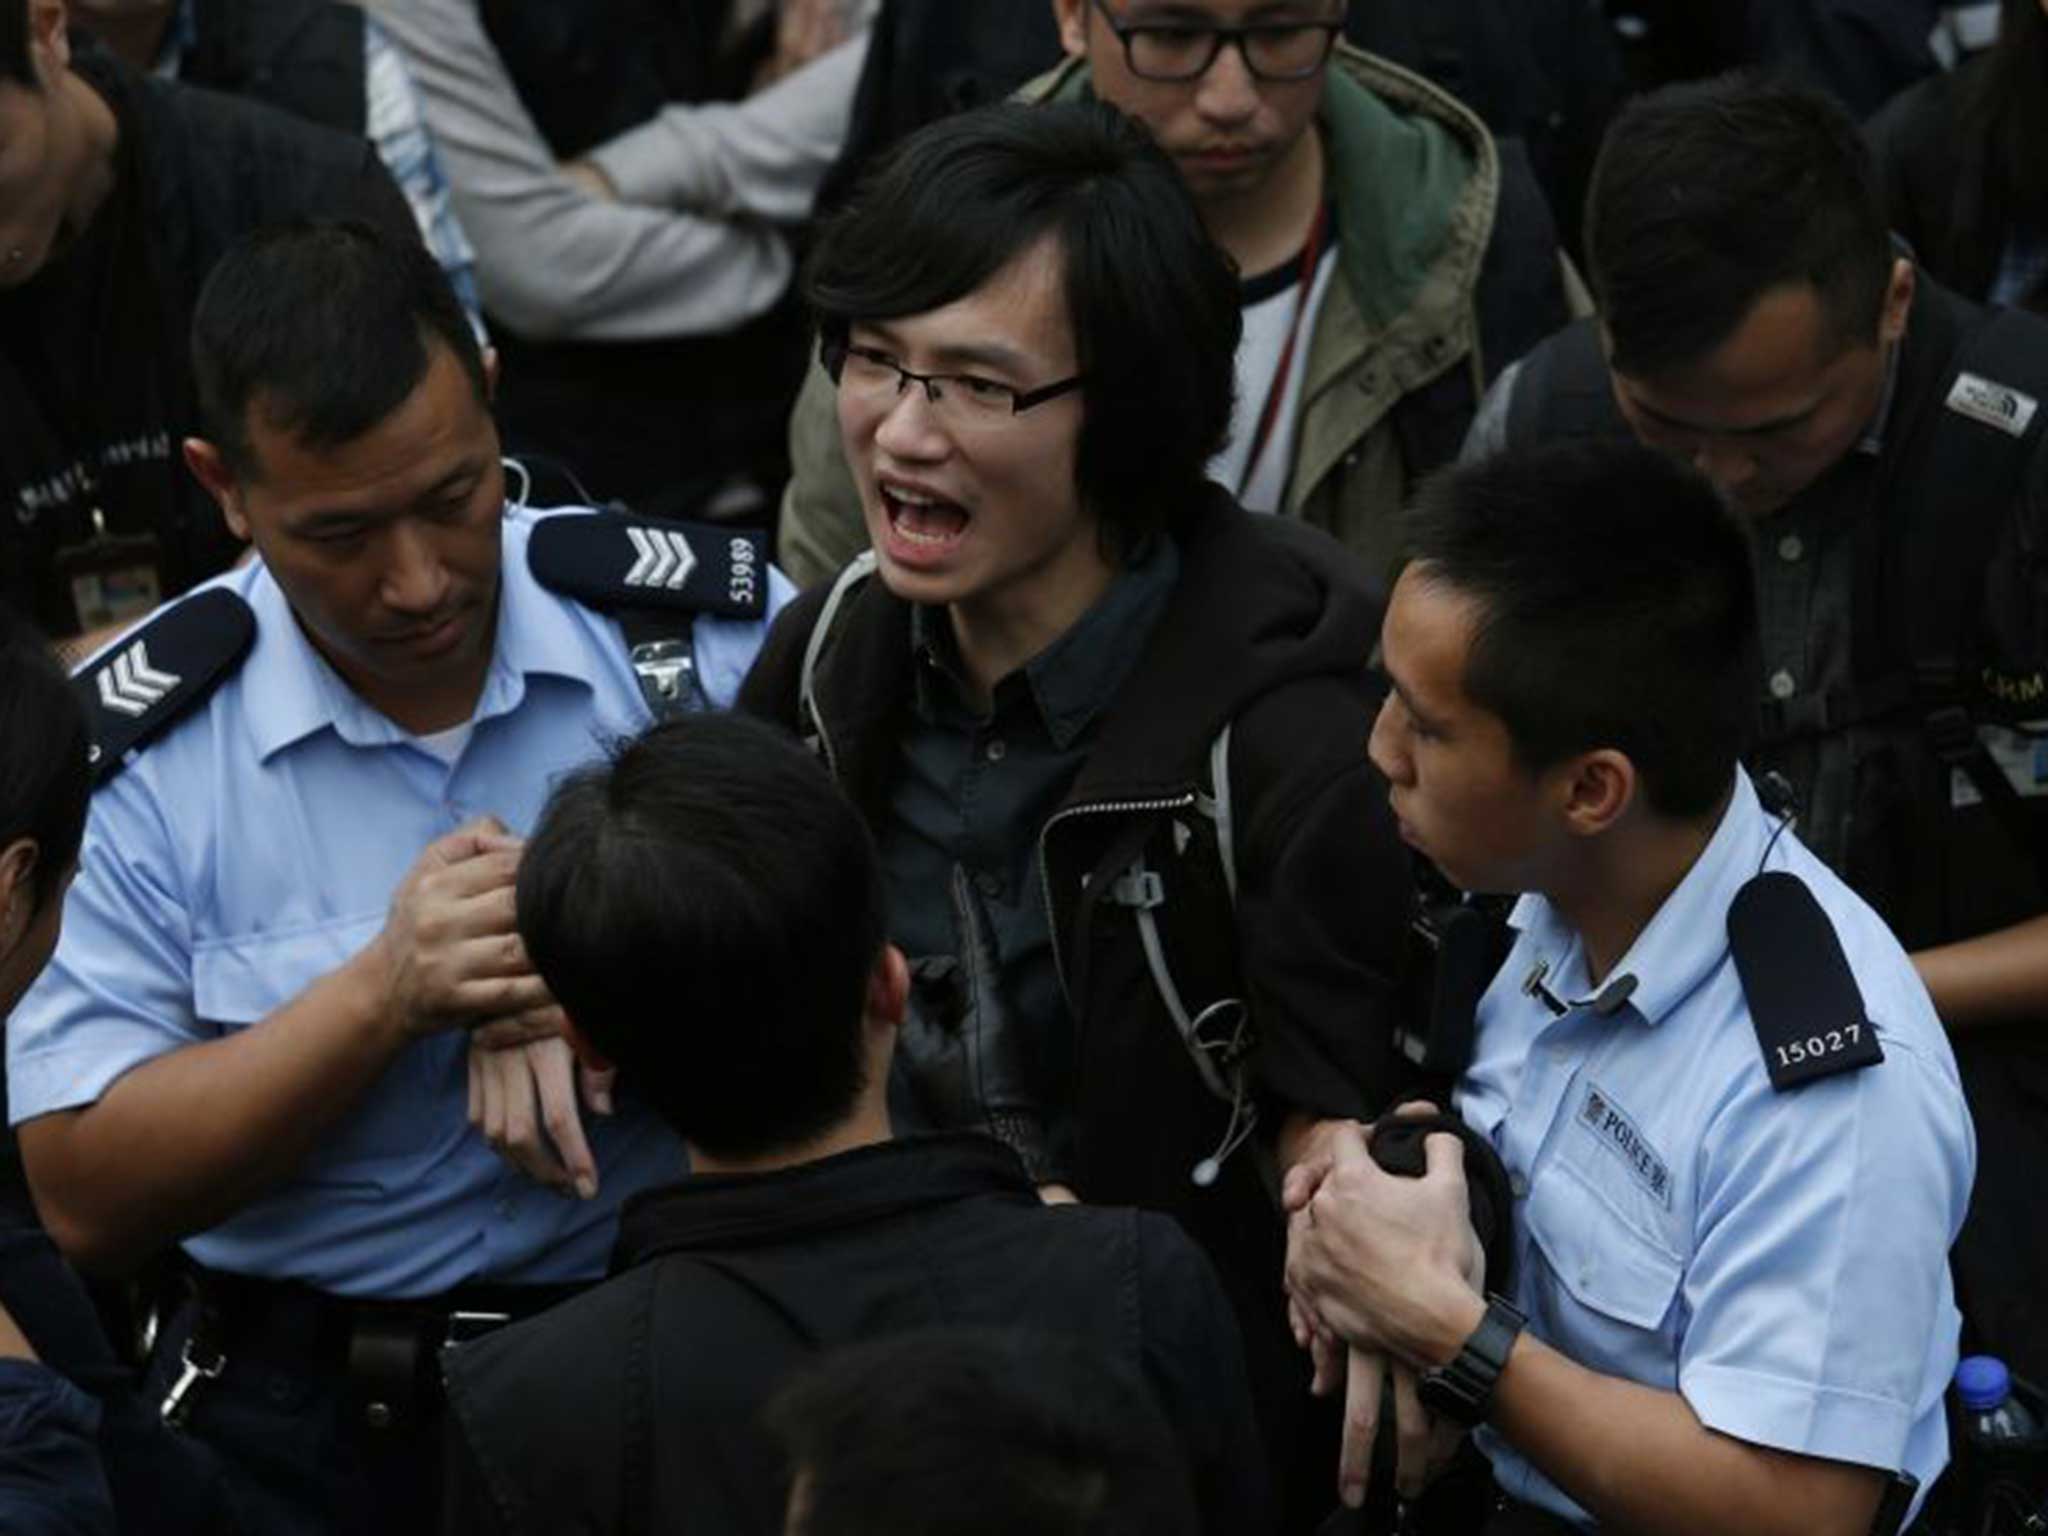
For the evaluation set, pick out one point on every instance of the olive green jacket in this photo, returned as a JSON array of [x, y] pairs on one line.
[[1415, 179]]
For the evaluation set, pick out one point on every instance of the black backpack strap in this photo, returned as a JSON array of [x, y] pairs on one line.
[[858, 570], [1803, 999], [1215, 1026], [158, 672], [655, 578], [1563, 390]]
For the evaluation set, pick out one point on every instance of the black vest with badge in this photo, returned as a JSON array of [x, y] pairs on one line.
[[1948, 619], [654, 578]]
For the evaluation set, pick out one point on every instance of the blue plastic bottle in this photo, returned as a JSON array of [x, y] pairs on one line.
[[2005, 1452]]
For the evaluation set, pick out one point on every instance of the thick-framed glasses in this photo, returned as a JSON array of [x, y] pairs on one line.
[[875, 375], [1177, 53]]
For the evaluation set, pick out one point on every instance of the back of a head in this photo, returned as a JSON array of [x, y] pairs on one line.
[[1711, 194], [326, 326], [2006, 97], [45, 775], [707, 908], [980, 1434], [1152, 300], [1615, 606]]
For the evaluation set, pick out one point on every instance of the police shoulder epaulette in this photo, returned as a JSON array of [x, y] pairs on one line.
[[1803, 999], [154, 674], [612, 561]]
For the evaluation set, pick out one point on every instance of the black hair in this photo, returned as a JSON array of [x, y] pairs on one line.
[[1708, 195], [707, 907], [979, 1433], [2005, 108], [45, 773], [1153, 301], [1615, 608], [15, 64], [326, 327]]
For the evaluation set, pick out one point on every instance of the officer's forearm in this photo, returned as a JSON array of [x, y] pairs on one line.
[[1639, 1459], [1995, 978], [187, 1139]]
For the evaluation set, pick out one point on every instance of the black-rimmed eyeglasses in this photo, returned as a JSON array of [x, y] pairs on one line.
[[965, 396], [1271, 50]]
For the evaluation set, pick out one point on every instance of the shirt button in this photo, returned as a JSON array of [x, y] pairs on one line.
[[1791, 549], [1518, 1185], [505, 1210], [989, 885], [1783, 685], [997, 749]]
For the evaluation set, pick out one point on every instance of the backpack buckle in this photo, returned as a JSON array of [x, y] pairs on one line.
[[1952, 734]]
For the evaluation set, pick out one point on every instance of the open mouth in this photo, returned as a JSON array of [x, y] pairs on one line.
[[921, 520]]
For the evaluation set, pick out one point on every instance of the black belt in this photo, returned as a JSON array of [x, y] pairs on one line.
[[1511, 1517], [389, 1351]]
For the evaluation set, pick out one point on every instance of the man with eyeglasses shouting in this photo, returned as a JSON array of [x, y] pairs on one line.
[[1392, 257], [1107, 727]]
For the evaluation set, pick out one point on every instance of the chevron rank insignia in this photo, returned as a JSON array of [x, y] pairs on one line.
[[611, 562], [153, 675]]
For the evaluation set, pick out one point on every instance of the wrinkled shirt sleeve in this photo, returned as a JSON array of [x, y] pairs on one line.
[[119, 990]]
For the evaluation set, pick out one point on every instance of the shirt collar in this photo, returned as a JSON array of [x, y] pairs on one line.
[[1687, 940], [292, 692], [1072, 679], [867, 1185]]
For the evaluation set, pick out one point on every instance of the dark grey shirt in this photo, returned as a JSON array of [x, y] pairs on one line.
[[1806, 580], [975, 789]]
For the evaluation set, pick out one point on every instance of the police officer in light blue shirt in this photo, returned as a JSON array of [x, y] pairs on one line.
[[1730, 1120], [289, 951]]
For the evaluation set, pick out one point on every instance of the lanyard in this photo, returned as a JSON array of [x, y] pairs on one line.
[[1311, 258]]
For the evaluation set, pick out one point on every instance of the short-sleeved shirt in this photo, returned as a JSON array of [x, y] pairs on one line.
[[254, 848], [1780, 1260]]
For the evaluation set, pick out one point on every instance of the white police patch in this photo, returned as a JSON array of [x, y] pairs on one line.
[[1995, 405], [1609, 1125]]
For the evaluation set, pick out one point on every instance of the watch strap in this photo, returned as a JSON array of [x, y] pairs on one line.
[[1463, 1389]]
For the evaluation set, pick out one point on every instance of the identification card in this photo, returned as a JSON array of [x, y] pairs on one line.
[[2021, 753], [114, 578]]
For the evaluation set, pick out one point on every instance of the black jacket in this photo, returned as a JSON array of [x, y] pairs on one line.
[[50, 1472], [1269, 630], [304, 57], [195, 172], [726, 1286]]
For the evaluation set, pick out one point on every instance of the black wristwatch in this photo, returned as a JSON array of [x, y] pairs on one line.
[[1463, 1390]]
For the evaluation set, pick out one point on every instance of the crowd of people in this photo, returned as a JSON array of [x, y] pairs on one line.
[[1112, 766]]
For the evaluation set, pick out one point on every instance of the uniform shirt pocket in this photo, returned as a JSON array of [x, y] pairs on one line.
[[1608, 1297], [240, 981]]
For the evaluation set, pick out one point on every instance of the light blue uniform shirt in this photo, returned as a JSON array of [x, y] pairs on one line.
[[255, 846], [1780, 1260]]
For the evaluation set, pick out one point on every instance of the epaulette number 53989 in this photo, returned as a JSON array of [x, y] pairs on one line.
[[744, 583]]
